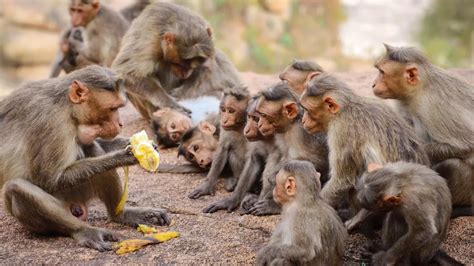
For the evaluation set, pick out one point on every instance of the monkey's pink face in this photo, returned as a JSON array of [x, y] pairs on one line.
[[177, 125], [81, 14], [200, 152], [251, 131], [389, 83], [271, 118], [315, 118]]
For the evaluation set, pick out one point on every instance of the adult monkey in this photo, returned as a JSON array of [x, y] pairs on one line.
[[54, 166], [169, 50], [298, 72], [102, 30], [377, 134], [441, 108]]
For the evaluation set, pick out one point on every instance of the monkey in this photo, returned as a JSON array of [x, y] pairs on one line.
[[297, 72], [102, 30], [441, 110], [418, 206], [232, 145], [134, 10], [280, 115], [359, 130], [310, 232], [50, 167], [258, 150], [168, 54], [170, 124]]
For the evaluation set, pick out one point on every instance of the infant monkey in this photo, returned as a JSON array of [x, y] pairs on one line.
[[418, 206], [310, 232]]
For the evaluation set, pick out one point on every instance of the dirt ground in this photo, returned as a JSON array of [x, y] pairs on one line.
[[224, 238]]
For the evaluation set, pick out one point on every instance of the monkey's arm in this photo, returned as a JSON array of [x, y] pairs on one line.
[[218, 163], [355, 221], [151, 90], [57, 65], [419, 223], [303, 252], [180, 169], [342, 178], [247, 178], [114, 144], [81, 170], [442, 151]]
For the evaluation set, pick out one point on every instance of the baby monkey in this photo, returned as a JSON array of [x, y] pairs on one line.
[[310, 232], [418, 206]]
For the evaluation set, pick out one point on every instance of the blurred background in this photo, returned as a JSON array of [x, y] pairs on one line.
[[263, 36]]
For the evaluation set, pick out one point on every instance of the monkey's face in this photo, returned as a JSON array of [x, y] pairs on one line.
[[272, 119], [294, 78], [81, 14], [200, 148], [232, 112], [285, 188], [172, 123], [315, 118], [390, 82], [251, 131]]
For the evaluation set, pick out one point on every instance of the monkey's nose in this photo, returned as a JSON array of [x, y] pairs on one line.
[[373, 86], [120, 125]]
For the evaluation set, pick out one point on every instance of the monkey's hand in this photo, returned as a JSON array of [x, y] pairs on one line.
[[133, 216], [125, 156], [228, 204], [352, 225], [265, 256], [249, 201], [265, 207], [202, 190], [96, 238]]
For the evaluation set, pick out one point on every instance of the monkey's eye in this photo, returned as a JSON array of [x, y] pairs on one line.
[[190, 156], [381, 71], [231, 111], [173, 126], [195, 147], [223, 109], [113, 109]]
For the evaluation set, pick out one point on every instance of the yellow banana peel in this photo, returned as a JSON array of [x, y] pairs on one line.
[[144, 151], [145, 229], [131, 245]]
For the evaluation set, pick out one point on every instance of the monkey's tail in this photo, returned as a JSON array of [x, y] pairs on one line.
[[443, 259]]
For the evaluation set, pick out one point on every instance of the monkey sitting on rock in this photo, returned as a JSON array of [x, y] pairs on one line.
[[310, 232]]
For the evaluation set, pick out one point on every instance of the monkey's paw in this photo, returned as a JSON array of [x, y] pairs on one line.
[[228, 204], [249, 201], [134, 216], [351, 225], [264, 207], [203, 190], [96, 238]]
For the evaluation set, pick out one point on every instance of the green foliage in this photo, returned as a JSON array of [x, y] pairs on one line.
[[446, 33]]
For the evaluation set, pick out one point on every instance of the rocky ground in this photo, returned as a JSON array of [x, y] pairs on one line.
[[222, 237]]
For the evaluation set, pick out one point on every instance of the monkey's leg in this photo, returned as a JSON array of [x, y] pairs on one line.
[[109, 190], [42, 213], [458, 175]]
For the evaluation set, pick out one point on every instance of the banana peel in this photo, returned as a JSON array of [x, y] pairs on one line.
[[143, 150], [148, 158], [131, 245], [146, 230]]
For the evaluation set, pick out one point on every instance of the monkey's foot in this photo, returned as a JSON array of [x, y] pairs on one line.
[[228, 204], [96, 238], [141, 215], [230, 183], [203, 190], [249, 201], [264, 207]]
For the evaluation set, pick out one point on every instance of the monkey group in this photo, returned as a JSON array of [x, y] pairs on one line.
[[329, 161]]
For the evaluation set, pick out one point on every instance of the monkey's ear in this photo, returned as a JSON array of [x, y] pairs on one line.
[[331, 104], [411, 74], [388, 48], [290, 109], [311, 75], [290, 186], [209, 31], [392, 200], [169, 37], [373, 166], [95, 4], [207, 127], [78, 92]]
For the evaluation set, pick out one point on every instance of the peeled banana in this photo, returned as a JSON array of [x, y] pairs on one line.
[[144, 151]]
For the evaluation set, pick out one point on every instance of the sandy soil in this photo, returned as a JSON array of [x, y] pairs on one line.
[[222, 237]]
